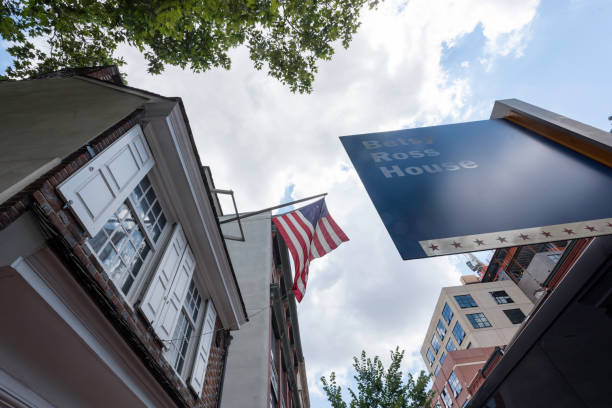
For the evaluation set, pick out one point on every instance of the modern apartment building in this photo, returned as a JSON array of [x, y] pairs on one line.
[[472, 316], [117, 289]]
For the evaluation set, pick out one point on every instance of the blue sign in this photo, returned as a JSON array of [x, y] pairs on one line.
[[479, 185]]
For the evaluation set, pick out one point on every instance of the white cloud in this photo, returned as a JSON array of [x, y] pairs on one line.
[[258, 139]]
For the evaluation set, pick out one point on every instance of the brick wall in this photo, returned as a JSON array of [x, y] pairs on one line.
[[67, 239], [215, 369]]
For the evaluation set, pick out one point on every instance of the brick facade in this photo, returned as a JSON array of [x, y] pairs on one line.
[[68, 240]]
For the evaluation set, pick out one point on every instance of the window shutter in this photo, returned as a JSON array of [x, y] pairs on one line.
[[201, 360], [100, 187], [155, 297], [173, 301]]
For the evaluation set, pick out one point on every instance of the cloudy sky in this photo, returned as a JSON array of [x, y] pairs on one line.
[[413, 63]]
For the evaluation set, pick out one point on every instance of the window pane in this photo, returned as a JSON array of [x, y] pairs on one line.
[[108, 256], [151, 197], [156, 233], [99, 240], [430, 356], [442, 358], [441, 329], [193, 301], [145, 183], [450, 346], [123, 254], [137, 193], [435, 344], [161, 221], [516, 316], [447, 313], [501, 297], [465, 301], [437, 371], [455, 385], [458, 333], [150, 211], [478, 320], [122, 212], [119, 274]]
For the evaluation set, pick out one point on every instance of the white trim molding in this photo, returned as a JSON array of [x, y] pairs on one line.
[[168, 136]]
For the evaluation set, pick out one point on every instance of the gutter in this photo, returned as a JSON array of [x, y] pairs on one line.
[[212, 202]]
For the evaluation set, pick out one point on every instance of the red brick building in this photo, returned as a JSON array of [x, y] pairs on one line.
[[460, 367], [117, 287]]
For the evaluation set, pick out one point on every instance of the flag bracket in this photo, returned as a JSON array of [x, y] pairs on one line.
[[252, 213], [231, 237]]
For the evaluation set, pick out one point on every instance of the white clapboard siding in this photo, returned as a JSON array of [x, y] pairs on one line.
[[99, 188], [155, 296], [173, 302], [196, 381]]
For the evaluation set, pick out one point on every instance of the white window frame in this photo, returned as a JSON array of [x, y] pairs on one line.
[[156, 248], [184, 372]]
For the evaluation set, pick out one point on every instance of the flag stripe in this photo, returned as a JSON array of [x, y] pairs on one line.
[[301, 243], [292, 219], [315, 251], [319, 237], [329, 233], [336, 228], [304, 223], [287, 240], [299, 262]]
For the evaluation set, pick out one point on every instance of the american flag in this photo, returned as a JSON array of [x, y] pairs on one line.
[[309, 232]]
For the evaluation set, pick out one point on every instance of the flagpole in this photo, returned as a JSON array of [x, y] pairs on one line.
[[250, 214]]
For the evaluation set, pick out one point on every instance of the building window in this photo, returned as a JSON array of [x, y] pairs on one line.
[[459, 333], [446, 398], [443, 357], [465, 301], [121, 248], [437, 371], [125, 240], [501, 297], [188, 318], [555, 256], [447, 313], [441, 329], [435, 343], [148, 208], [478, 320], [450, 346], [516, 316], [453, 381], [430, 356]]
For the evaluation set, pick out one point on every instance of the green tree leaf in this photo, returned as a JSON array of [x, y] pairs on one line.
[[286, 37], [380, 388]]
